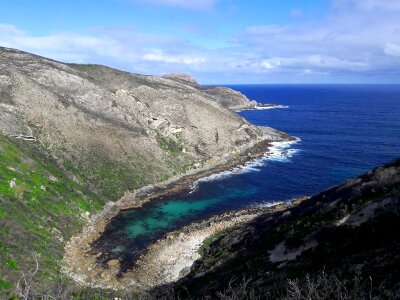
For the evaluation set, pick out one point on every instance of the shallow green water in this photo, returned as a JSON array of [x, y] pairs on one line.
[[131, 230], [164, 215]]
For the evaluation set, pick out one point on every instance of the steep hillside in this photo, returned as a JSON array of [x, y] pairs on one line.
[[73, 137], [227, 97], [118, 130], [349, 231], [40, 208]]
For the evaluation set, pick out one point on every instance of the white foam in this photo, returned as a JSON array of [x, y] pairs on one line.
[[270, 107], [267, 204], [278, 151]]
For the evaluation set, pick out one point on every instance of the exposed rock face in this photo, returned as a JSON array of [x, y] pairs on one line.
[[229, 98], [115, 130], [183, 78], [354, 225]]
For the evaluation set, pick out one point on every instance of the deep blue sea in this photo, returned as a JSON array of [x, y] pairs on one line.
[[344, 130]]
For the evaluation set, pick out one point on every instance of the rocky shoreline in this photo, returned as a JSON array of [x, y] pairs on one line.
[[80, 265], [259, 106], [171, 257]]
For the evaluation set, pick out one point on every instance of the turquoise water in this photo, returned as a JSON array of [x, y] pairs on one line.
[[132, 230], [344, 131], [164, 215]]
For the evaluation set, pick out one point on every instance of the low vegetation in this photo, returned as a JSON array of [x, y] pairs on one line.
[[40, 208], [347, 228]]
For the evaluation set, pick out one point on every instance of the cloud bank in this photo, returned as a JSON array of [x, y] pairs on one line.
[[358, 40]]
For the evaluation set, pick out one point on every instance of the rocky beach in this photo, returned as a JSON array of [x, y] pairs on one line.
[[82, 264]]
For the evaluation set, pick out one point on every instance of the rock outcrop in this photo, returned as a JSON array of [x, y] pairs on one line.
[[225, 96], [230, 98], [183, 78]]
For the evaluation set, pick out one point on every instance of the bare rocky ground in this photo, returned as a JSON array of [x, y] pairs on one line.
[[163, 262], [171, 258]]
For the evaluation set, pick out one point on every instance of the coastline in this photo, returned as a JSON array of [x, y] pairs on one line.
[[260, 106], [80, 265], [170, 258]]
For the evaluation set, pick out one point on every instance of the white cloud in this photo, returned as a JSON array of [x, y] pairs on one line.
[[368, 5], [392, 49], [357, 42], [159, 56], [271, 64], [9, 29], [63, 46], [353, 41], [118, 47]]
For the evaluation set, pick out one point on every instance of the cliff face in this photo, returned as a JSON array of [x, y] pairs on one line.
[[347, 229], [227, 97], [115, 130]]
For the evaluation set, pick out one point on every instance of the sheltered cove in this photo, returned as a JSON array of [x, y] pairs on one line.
[[81, 264]]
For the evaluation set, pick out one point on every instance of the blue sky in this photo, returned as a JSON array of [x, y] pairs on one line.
[[217, 41]]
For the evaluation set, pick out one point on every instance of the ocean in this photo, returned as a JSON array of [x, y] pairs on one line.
[[343, 131]]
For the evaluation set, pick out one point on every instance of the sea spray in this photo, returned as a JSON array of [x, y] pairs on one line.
[[278, 151], [270, 107]]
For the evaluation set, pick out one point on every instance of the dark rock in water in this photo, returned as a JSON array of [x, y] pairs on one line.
[[185, 271], [346, 231]]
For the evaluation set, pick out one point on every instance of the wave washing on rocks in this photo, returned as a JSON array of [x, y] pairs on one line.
[[278, 151], [270, 107]]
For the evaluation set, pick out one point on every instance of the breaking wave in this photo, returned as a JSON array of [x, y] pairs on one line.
[[270, 107], [278, 151]]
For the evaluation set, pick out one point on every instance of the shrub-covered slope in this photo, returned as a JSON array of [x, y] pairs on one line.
[[349, 229], [40, 208]]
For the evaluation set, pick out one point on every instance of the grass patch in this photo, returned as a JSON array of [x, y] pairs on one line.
[[5, 285], [40, 209]]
